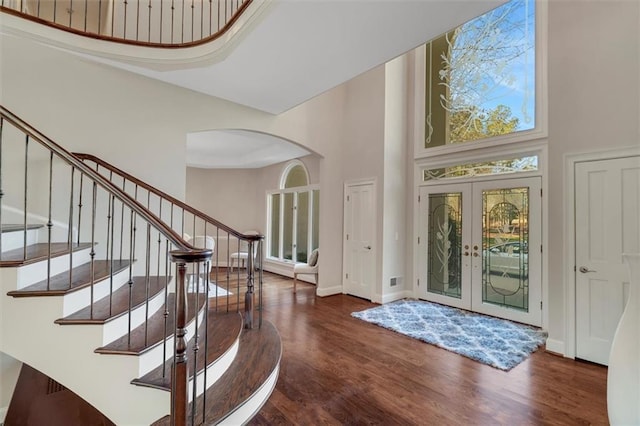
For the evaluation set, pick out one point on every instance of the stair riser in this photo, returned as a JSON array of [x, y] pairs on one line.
[[103, 381], [154, 356], [80, 299], [251, 407], [214, 371], [35, 272], [15, 240], [119, 326]]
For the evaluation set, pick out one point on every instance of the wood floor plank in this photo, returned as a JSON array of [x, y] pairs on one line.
[[339, 370]]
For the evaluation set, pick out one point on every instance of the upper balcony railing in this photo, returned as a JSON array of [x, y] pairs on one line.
[[152, 23]]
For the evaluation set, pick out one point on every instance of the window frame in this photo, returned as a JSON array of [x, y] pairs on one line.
[[309, 189], [540, 130]]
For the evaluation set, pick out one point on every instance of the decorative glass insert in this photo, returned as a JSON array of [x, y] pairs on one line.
[[444, 244], [297, 176], [505, 244], [497, 167], [480, 77]]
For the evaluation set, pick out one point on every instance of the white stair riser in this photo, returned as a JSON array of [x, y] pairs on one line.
[[154, 357], [214, 371], [250, 408], [106, 383], [119, 326], [35, 272], [15, 239], [80, 299]]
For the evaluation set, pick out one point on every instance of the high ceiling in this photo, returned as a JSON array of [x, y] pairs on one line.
[[288, 52]]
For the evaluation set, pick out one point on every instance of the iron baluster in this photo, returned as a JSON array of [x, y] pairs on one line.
[[124, 27], [70, 11], [49, 222], [248, 297], [149, 33], [80, 206], [26, 177], [260, 278], [70, 231], [99, 16], [137, 20], [113, 206], [130, 283], [147, 283], [86, 14], [92, 254]]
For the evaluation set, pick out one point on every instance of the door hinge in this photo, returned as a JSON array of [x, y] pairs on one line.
[[541, 192], [418, 282], [347, 275], [347, 237], [541, 305], [574, 268], [418, 240], [348, 198], [540, 248], [418, 198]]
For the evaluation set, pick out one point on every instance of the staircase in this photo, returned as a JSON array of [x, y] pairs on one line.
[[102, 293]]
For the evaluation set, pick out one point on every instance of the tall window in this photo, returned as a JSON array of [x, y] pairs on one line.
[[293, 215], [480, 77]]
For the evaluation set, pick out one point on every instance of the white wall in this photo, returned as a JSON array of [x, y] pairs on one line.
[[594, 87], [9, 371]]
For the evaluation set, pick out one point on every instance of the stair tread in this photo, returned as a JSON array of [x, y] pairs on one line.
[[80, 275], [156, 331], [224, 329], [258, 356], [14, 227], [37, 252], [108, 308]]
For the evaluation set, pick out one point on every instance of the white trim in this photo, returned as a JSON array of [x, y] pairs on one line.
[[392, 297], [329, 291], [540, 131], [568, 241], [555, 346], [285, 174], [3, 414]]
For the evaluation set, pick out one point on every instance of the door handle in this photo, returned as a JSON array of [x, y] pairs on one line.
[[368, 247], [585, 270]]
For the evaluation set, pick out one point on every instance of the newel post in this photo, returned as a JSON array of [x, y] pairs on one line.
[[248, 297], [180, 369], [180, 375]]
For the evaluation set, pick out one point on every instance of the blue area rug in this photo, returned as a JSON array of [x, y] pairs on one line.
[[499, 343]]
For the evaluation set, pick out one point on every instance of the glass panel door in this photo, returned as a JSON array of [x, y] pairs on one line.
[[507, 278], [480, 247], [446, 243]]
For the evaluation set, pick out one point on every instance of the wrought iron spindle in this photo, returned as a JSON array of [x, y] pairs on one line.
[[112, 213], [124, 32], [182, 28], [70, 231], [70, 11], [86, 14], [260, 277], [166, 310], [196, 339], [26, 178], [130, 283], [122, 220], [49, 222], [248, 297], [137, 19], [173, 13], [206, 342], [92, 253], [149, 29], [100, 17], [238, 275], [147, 283], [80, 206]]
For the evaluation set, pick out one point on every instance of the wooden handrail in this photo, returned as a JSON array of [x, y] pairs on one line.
[[72, 160], [240, 7], [164, 195]]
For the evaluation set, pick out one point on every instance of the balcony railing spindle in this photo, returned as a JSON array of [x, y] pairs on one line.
[[26, 184], [49, 221]]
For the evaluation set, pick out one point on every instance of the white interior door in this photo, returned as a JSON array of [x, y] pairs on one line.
[[359, 240], [480, 247], [607, 202]]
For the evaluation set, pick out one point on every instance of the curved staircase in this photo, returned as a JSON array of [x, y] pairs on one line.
[[100, 315]]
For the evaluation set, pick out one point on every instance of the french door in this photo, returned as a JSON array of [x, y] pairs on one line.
[[480, 247]]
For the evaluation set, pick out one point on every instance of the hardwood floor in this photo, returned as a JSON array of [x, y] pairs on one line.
[[338, 370]]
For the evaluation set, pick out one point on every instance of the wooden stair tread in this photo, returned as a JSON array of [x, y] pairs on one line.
[[37, 252], [156, 332], [224, 329], [108, 308], [14, 227], [81, 278], [258, 356]]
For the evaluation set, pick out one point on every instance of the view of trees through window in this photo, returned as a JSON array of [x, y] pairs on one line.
[[481, 77]]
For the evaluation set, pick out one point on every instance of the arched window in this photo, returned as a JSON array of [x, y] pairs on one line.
[[293, 215]]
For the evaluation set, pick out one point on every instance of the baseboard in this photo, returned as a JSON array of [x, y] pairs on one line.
[[3, 414], [555, 346], [396, 295], [328, 291]]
